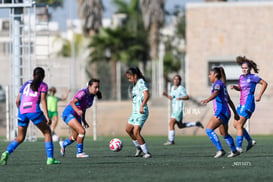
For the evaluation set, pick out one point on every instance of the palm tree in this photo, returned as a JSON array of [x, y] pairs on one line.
[[115, 45], [153, 17], [90, 11]]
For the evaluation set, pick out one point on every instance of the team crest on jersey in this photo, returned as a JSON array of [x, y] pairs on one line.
[[217, 87]]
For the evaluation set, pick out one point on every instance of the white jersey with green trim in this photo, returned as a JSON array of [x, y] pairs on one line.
[[178, 92], [138, 95]]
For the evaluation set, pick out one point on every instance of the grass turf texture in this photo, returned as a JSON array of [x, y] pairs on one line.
[[190, 159]]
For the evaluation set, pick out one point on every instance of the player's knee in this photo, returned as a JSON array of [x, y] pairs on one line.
[[81, 135]]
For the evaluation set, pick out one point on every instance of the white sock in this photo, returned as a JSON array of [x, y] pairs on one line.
[[144, 148], [171, 135], [190, 124], [136, 143]]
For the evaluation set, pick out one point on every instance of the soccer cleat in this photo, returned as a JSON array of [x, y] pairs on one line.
[[148, 155], [52, 161], [82, 155], [219, 154], [250, 145], [62, 150], [239, 150], [138, 152], [234, 154], [4, 158], [169, 143], [199, 124]]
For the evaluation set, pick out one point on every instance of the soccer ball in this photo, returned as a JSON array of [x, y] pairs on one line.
[[115, 145]]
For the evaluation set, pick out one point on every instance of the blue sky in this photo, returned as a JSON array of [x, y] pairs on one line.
[[69, 9]]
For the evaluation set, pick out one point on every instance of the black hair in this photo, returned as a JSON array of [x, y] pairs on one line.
[[38, 77], [219, 71], [90, 83], [92, 80], [251, 64], [135, 71], [180, 79]]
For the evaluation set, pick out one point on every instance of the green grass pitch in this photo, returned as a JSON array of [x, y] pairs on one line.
[[190, 159]]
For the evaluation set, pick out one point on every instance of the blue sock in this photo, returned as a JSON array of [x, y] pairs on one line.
[[239, 141], [246, 135], [229, 140], [79, 148], [67, 142], [49, 149], [214, 139], [12, 146]]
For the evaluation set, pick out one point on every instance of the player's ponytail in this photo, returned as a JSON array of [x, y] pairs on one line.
[[38, 77]]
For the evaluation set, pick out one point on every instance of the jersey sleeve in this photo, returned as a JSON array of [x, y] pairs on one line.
[[44, 87], [80, 95], [183, 91], [142, 85], [255, 79]]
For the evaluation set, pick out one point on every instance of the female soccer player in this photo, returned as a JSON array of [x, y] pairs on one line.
[[52, 105], [247, 85], [221, 100], [31, 94], [140, 96], [74, 116], [178, 94]]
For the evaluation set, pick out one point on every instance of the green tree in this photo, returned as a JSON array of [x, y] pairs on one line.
[[126, 43]]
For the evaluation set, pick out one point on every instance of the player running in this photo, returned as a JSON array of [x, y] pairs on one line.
[[177, 96], [31, 94], [221, 100], [140, 113], [74, 116], [247, 85]]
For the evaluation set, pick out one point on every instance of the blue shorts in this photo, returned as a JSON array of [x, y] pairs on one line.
[[69, 114], [245, 111], [138, 119], [223, 117], [36, 118]]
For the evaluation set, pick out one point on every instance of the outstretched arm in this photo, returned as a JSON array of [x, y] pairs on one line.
[[212, 96], [66, 95], [166, 95]]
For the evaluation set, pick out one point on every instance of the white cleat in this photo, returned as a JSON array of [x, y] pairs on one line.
[[62, 150], [219, 154], [148, 155], [138, 152], [82, 155], [169, 143], [239, 150], [234, 154]]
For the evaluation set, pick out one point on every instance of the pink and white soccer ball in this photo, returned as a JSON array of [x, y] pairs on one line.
[[115, 145]]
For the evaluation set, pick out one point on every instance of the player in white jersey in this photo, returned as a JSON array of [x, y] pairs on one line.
[[177, 96], [140, 113]]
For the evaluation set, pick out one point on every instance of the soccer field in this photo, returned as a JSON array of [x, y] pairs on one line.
[[190, 159]]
